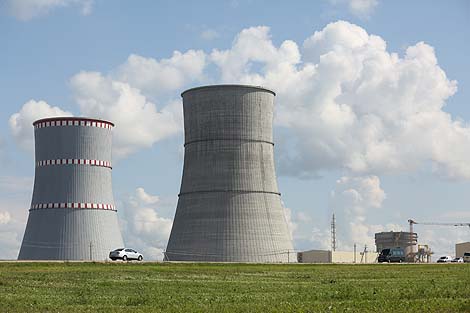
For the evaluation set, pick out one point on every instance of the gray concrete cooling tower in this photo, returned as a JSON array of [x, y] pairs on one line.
[[229, 207], [72, 214]]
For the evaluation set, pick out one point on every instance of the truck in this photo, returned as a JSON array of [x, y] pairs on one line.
[[392, 255]]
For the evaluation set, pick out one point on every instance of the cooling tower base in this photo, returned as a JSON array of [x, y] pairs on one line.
[[230, 227], [71, 234]]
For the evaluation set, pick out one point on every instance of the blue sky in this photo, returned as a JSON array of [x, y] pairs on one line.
[[385, 127]]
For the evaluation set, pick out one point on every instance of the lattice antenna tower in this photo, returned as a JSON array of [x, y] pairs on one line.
[[333, 233]]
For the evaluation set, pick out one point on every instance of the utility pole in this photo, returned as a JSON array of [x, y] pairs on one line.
[[365, 253], [333, 233], [91, 256], [354, 252]]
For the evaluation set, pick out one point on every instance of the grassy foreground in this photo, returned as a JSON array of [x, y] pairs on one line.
[[178, 287]]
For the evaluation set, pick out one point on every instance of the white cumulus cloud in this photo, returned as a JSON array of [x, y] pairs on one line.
[[348, 103], [321, 239], [21, 123], [441, 244], [28, 9], [292, 226], [360, 8], [139, 123], [124, 97], [143, 227], [155, 77], [352, 200], [145, 197], [15, 199], [252, 55]]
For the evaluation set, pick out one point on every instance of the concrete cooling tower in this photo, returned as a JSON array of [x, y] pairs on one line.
[[229, 207], [72, 214]]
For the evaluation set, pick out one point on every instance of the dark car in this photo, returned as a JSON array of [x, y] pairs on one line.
[[392, 255]]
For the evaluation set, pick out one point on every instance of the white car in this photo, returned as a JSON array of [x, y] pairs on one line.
[[445, 259], [457, 260], [125, 254], [466, 257]]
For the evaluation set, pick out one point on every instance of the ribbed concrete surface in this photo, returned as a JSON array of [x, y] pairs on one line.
[[229, 207], [71, 233], [66, 234], [73, 183]]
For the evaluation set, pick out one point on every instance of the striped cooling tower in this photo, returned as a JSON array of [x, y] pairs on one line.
[[72, 214], [229, 207]]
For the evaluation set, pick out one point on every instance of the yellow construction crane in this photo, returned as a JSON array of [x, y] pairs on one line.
[[424, 252], [412, 222]]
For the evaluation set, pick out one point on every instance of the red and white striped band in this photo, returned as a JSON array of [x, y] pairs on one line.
[[74, 161], [73, 205], [73, 122]]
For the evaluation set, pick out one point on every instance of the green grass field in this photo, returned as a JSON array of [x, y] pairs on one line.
[[178, 287]]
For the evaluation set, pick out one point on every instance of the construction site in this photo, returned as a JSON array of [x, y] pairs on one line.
[[406, 244]]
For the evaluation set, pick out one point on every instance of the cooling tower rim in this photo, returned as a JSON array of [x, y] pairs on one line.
[[230, 86], [70, 118]]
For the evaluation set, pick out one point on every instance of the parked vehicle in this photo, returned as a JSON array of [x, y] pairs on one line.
[[392, 255], [457, 260], [466, 257], [125, 254], [445, 259]]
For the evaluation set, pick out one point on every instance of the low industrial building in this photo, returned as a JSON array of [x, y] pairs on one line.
[[328, 256], [461, 248]]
